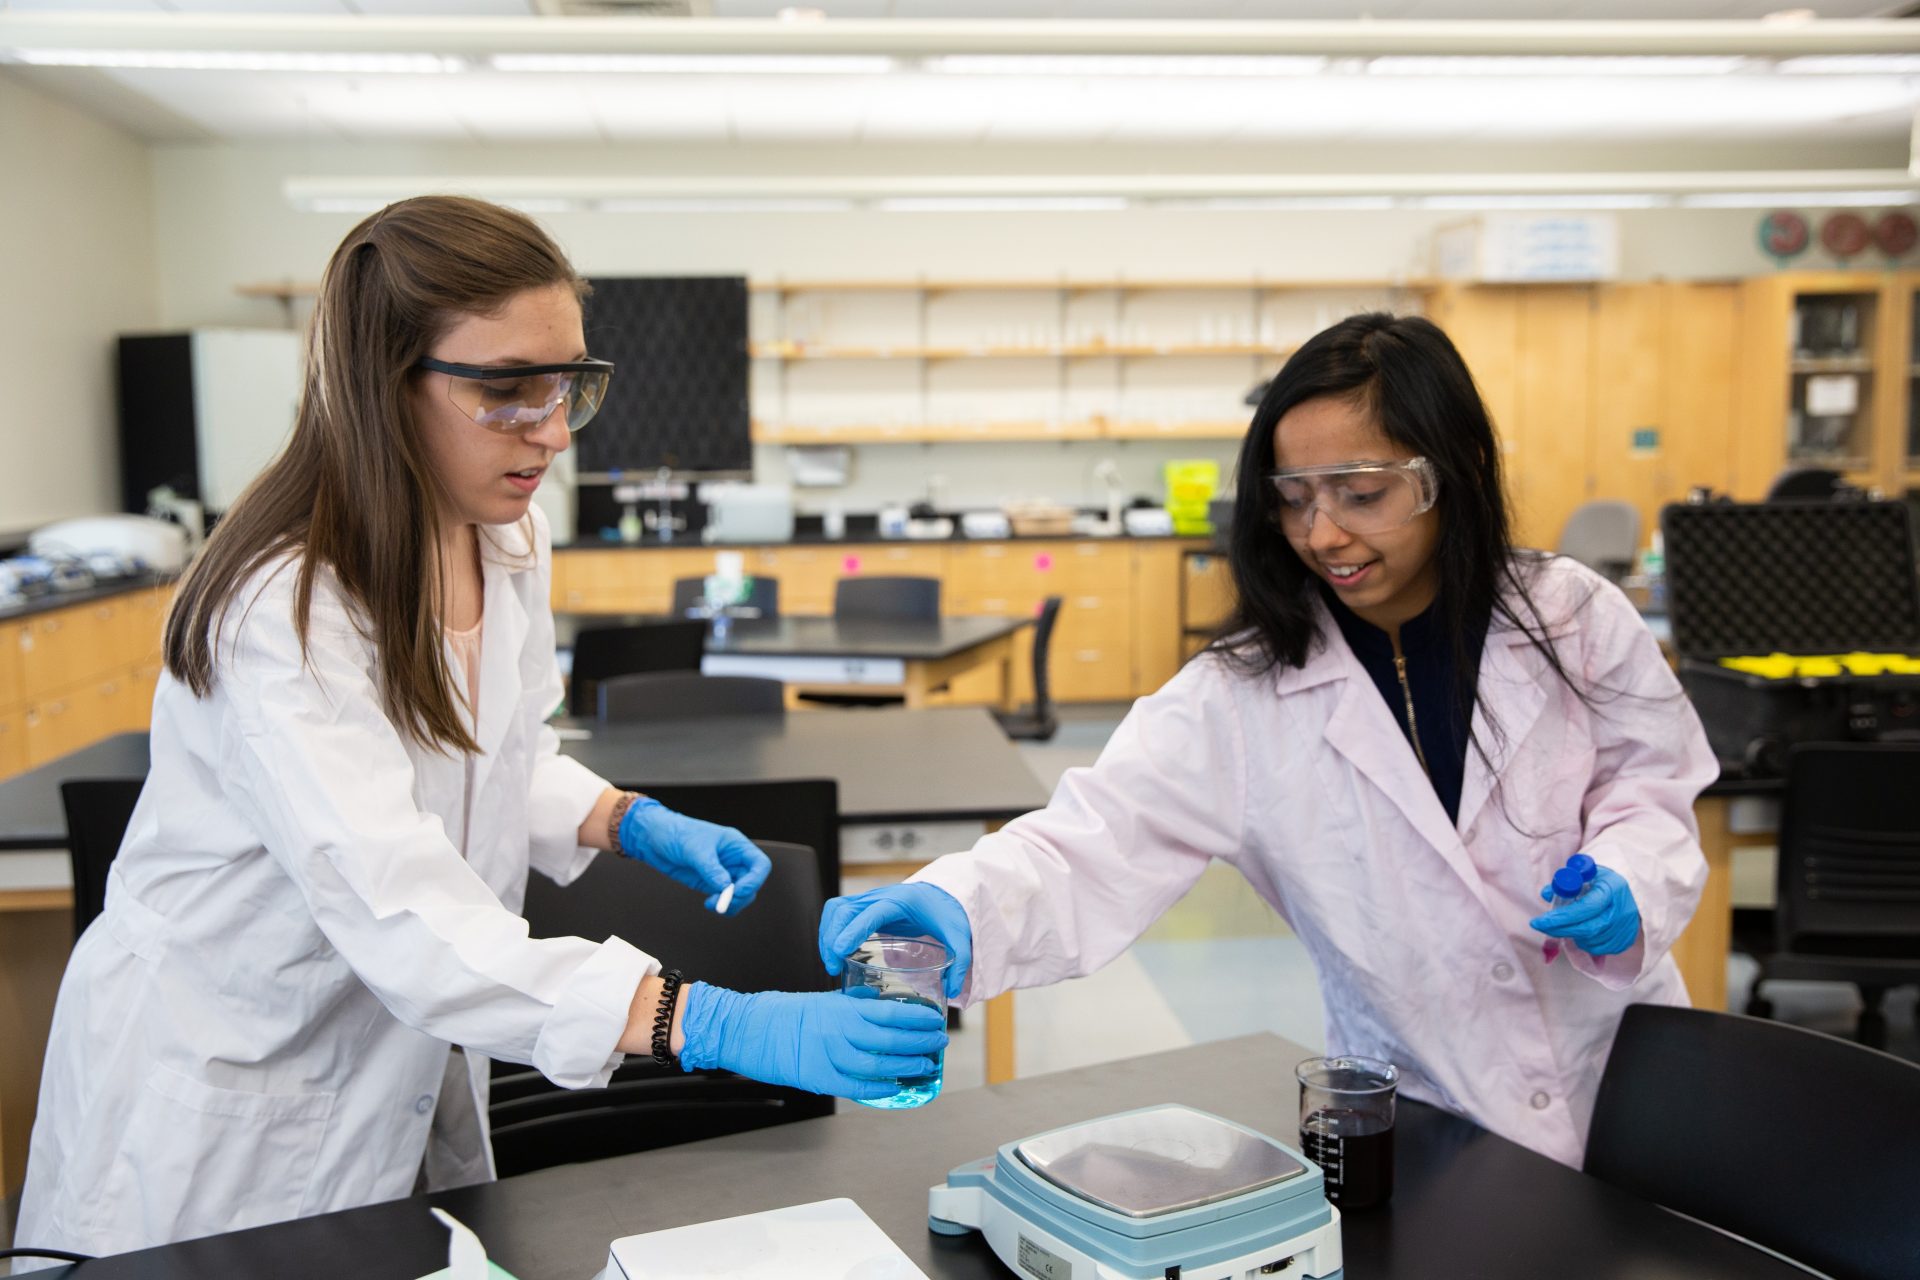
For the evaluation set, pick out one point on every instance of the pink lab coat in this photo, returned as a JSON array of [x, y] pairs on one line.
[[1302, 779]]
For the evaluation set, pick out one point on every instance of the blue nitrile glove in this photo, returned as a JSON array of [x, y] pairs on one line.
[[700, 855], [1602, 921], [821, 1041], [911, 909]]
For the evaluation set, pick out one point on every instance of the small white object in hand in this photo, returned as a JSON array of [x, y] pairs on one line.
[[726, 900]]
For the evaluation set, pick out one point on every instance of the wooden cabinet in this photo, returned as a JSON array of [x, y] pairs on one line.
[[71, 676], [13, 743], [1826, 379], [12, 684]]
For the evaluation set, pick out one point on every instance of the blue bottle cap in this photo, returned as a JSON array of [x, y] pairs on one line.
[[1586, 866], [1567, 883]]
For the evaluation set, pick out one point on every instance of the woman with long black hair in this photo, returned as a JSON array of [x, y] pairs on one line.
[[1407, 727]]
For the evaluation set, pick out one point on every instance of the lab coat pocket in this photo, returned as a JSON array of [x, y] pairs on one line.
[[198, 1158]]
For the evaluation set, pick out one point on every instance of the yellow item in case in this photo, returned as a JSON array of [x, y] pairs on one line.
[[1810, 666], [1191, 484]]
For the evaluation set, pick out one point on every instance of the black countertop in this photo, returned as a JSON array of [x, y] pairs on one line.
[[86, 595], [1465, 1202]]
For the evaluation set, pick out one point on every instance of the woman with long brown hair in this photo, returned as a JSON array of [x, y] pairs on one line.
[[315, 908]]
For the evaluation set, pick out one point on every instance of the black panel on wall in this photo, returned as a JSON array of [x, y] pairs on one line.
[[157, 440], [679, 396]]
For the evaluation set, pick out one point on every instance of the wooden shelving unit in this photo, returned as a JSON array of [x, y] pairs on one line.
[[1068, 358]]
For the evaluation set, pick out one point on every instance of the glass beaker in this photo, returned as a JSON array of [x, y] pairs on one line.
[[1346, 1126], [913, 971]]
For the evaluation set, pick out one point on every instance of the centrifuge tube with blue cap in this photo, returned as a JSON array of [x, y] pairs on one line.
[[1567, 885], [1586, 866]]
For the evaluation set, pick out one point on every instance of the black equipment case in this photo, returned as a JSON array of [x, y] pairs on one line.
[[1799, 578]]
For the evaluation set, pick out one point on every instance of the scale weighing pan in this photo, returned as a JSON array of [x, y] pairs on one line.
[[1162, 1193]]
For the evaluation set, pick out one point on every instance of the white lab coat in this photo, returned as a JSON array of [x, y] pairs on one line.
[[1303, 780], [258, 1025]]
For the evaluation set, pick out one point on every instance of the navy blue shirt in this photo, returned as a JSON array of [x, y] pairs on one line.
[[1444, 720]]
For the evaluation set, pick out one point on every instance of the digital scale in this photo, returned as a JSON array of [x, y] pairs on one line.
[[1162, 1193]]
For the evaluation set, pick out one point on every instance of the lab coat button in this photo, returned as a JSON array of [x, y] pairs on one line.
[[1503, 972], [1540, 1101], [424, 1104]]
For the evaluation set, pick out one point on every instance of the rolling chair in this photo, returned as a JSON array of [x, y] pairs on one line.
[[1799, 1142], [1036, 723], [1848, 897], [1604, 535], [911, 599], [600, 653], [670, 695], [771, 948], [98, 810], [804, 811], [689, 594], [1811, 484]]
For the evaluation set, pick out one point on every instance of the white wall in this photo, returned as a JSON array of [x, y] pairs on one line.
[[221, 220], [76, 269]]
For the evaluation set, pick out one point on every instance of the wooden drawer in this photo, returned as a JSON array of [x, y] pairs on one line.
[[621, 580], [1083, 673], [144, 625], [59, 650], [12, 685], [13, 743], [137, 716], [1209, 591]]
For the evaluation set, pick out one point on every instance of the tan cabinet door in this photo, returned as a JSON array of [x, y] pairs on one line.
[[13, 743], [12, 686]]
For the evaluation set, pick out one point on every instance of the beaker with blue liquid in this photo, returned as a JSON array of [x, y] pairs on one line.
[[913, 971]]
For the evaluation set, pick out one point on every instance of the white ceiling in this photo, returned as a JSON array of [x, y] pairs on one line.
[[915, 102], [1184, 10]]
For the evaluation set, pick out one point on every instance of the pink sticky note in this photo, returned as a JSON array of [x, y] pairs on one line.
[[1043, 562], [850, 565]]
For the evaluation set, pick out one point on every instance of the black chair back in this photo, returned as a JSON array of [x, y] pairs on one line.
[[763, 594], [1803, 1143], [1036, 723], [883, 597], [98, 810], [600, 653], [770, 947], [681, 695], [1849, 865], [804, 811]]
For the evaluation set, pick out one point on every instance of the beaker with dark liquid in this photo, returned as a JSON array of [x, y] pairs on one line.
[[1346, 1126]]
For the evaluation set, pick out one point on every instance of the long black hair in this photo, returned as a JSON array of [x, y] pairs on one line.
[[1408, 377]]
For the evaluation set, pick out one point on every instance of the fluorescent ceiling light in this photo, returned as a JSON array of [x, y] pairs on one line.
[[697, 63], [740, 204], [1257, 204], [1598, 200], [1145, 65], [1554, 67], [1000, 204], [1852, 64], [240, 60], [1804, 199]]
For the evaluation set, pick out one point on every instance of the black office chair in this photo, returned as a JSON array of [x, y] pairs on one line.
[[769, 948], [668, 695], [1810, 484], [689, 594], [1802, 1143], [1848, 885], [1604, 535], [1036, 723], [600, 653], [910, 599], [98, 810]]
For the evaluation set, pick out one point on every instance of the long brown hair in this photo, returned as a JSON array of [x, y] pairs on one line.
[[353, 491]]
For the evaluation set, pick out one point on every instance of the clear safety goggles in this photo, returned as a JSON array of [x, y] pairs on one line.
[[1360, 497], [518, 398]]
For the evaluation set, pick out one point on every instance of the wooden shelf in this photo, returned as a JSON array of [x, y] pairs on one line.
[[1080, 285], [962, 433], [794, 352]]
